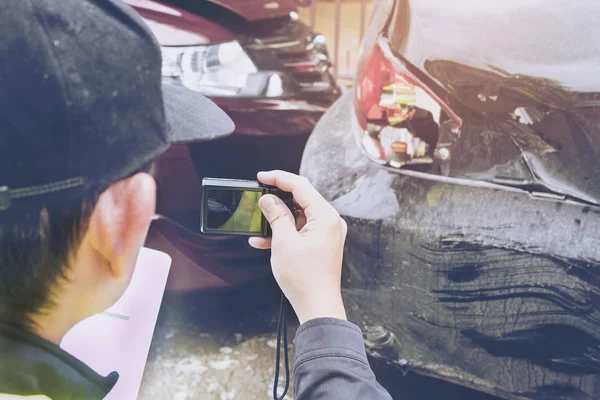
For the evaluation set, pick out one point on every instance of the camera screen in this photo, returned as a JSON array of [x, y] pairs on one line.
[[233, 210]]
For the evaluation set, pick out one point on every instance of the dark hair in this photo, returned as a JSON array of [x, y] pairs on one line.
[[36, 248]]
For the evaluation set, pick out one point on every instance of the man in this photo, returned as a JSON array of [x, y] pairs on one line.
[[82, 115]]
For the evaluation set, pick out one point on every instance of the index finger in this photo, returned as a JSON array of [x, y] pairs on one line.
[[307, 197]]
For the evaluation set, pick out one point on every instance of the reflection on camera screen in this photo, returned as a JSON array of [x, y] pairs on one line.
[[234, 210]]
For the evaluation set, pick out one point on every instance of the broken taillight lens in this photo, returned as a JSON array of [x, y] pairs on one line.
[[397, 115]]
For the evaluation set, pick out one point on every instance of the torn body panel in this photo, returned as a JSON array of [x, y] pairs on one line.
[[473, 91], [488, 288]]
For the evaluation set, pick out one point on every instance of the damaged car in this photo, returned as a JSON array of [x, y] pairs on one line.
[[271, 74], [466, 164]]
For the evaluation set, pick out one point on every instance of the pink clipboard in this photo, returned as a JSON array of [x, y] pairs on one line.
[[119, 339]]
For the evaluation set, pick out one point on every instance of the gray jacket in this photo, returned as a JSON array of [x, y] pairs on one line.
[[331, 363]]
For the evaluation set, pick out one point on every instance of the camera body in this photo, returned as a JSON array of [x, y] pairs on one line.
[[230, 207]]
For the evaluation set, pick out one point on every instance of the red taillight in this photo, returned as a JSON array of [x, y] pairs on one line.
[[375, 72], [388, 101]]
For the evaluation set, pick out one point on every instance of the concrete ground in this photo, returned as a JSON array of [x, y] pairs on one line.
[[221, 346], [216, 345]]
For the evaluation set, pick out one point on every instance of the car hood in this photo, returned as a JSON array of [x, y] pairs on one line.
[[173, 26], [176, 27], [251, 10], [254, 10]]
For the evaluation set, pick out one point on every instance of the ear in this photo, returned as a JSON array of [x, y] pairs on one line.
[[120, 222]]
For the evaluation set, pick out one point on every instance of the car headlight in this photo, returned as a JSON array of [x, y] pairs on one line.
[[221, 70]]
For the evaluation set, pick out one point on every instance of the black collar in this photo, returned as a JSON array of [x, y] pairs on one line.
[[30, 365]]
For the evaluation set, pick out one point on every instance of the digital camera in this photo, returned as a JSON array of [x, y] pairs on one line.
[[230, 207]]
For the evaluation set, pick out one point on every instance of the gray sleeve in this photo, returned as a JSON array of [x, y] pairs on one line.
[[331, 363]]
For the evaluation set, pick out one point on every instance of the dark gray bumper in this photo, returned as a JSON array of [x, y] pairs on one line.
[[487, 288]]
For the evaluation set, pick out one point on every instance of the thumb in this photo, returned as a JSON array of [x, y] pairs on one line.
[[278, 214]]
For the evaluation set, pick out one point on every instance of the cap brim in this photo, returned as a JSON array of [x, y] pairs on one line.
[[192, 117]]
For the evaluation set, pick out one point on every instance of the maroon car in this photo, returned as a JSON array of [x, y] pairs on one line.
[[270, 73]]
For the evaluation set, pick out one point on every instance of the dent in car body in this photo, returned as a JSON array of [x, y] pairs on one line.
[[488, 288]]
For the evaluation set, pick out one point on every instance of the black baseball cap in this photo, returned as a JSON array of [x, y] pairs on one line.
[[82, 104]]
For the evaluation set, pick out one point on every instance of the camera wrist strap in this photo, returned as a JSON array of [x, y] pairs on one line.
[[282, 331]]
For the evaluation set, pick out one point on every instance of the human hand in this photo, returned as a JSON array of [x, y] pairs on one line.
[[306, 255]]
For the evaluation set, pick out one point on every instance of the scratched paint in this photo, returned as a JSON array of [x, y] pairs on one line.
[[462, 287]]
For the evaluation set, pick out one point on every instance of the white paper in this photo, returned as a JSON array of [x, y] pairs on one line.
[[119, 339]]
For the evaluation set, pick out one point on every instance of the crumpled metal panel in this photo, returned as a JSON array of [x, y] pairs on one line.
[[488, 288], [518, 74]]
